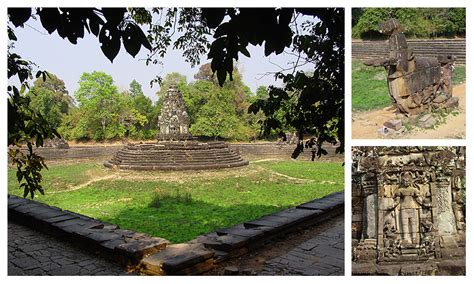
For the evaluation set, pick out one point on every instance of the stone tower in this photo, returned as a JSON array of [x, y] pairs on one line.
[[176, 149], [173, 121]]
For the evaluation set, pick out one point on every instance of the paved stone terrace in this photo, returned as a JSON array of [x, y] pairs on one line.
[[321, 255], [31, 252]]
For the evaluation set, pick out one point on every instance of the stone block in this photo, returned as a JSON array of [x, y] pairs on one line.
[[426, 121], [299, 214], [135, 250], [46, 212], [452, 267], [61, 218], [198, 268], [112, 244], [363, 269], [231, 270], [175, 258], [239, 230], [102, 236], [389, 270], [270, 221], [395, 124], [440, 99], [452, 102], [27, 208], [419, 269], [320, 205], [227, 242]]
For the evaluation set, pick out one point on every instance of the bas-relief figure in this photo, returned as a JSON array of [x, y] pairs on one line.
[[413, 201]]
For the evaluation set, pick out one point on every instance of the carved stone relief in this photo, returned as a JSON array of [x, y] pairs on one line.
[[413, 204]]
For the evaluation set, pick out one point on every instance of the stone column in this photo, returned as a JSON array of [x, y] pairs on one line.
[[442, 202], [369, 191]]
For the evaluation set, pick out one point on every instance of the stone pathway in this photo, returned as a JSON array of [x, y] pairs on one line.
[[321, 255], [34, 253]]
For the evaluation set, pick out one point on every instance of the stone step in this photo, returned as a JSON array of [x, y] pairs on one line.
[[178, 161], [181, 167], [177, 156], [179, 259]]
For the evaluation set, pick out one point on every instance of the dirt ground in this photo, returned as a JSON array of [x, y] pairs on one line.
[[365, 125]]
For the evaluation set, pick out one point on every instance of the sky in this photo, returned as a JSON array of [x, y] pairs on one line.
[[69, 61]]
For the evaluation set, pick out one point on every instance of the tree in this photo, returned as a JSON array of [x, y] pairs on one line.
[[50, 99], [144, 106], [417, 22], [216, 118], [103, 112], [312, 103], [135, 89]]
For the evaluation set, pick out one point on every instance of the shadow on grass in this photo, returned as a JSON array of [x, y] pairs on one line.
[[180, 221]]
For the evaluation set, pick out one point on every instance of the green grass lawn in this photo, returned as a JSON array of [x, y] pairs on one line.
[[369, 85], [181, 206]]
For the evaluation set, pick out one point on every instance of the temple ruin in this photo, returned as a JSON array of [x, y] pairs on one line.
[[176, 148], [408, 207], [415, 84]]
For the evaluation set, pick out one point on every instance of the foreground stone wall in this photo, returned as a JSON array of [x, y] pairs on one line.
[[408, 206], [156, 256]]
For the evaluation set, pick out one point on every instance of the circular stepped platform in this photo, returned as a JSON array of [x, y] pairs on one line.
[[180, 155]]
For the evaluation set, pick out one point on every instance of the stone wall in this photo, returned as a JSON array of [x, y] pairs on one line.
[[249, 151], [424, 48], [408, 204]]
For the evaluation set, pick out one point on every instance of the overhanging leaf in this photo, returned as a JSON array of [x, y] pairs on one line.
[[109, 37]]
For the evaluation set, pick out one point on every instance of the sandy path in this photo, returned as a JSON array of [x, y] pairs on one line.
[[365, 124]]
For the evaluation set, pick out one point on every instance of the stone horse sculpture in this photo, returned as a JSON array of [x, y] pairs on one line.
[[415, 84]]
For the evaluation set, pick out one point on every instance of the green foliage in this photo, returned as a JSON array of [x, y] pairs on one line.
[[217, 118], [417, 22], [145, 126], [135, 89], [215, 200], [317, 100], [50, 98], [312, 102], [25, 125], [105, 114]]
